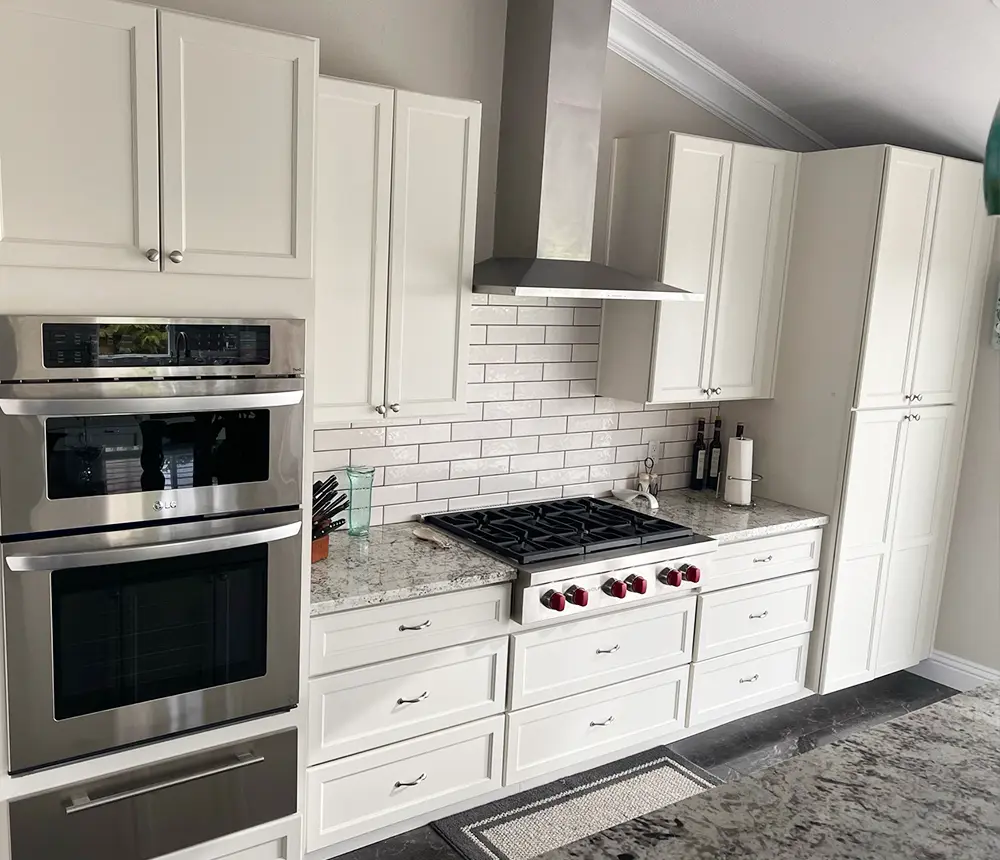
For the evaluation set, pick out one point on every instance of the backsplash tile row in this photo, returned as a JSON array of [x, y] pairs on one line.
[[533, 430]]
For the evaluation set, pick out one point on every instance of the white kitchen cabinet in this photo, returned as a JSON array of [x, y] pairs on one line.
[[79, 163], [142, 139], [398, 183], [279, 840], [712, 218], [237, 108]]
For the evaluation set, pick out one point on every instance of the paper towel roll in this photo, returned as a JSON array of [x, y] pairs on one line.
[[739, 465]]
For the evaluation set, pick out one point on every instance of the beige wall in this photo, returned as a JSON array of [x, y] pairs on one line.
[[636, 103]]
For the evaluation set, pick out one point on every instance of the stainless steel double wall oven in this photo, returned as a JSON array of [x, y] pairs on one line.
[[150, 527]]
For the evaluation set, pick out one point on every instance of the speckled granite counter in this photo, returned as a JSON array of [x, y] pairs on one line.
[[710, 516], [393, 565], [925, 785]]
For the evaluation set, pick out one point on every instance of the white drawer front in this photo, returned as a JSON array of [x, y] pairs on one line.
[[559, 734], [766, 558], [364, 792], [362, 636], [583, 655], [361, 709], [741, 683], [739, 618]]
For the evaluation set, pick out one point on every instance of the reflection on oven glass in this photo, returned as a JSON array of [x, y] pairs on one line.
[[105, 455]]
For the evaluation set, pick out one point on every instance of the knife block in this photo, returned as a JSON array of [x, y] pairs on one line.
[[320, 548]]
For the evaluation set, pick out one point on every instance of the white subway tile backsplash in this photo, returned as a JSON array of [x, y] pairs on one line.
[[541, 495], [514, 372], [561, 477], [574, 303], [417, 473], [397, 494], [481, 466], [515, 334], [447, 489], [472, 412], [568, 406], [534, 462], [591, 457], [572, 334], [571, 370], [484, 500], [450, 451], [586, 352], [512, 409], [537, 426], [587, 316], [670, 433], [545, 352], [546, 316], [477, 373], [414, 434], [506, 447], [489, 391], [618, 471], [691, 416], [532, 301], [477, 334], [397, 456], [506, 483], [337, 440], [499, 354], [564, 442], [594, 488], [583, 388], [330, 461], [403, 513], [630, 420], [612, 404], [540, 390], [631, 453], [493, 315], [607, 421], [614, 438], [480, 430]]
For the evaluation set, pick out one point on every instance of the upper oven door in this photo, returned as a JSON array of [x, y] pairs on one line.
[[91, 454]]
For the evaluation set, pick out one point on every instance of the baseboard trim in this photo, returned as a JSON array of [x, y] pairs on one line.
[[955, 672]]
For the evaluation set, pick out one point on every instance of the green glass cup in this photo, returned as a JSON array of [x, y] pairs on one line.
[[359, 513]]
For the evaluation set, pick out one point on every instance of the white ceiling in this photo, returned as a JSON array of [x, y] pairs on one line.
[[918, 73]]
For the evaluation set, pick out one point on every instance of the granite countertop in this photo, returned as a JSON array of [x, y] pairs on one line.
[[391, 564], [711, 516], [925, 785]]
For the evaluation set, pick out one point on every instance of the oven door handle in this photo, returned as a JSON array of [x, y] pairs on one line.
[[149, 552], [147, 405]]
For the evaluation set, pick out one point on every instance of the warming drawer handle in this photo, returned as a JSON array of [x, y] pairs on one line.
[[150, 405], [81, 801], [423, 625]]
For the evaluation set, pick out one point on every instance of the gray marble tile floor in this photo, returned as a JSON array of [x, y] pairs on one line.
[[743, 747]]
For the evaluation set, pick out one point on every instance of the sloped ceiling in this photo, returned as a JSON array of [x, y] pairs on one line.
[[917, 73]]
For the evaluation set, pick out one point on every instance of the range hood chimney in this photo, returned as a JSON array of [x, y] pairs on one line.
[[550, 133]]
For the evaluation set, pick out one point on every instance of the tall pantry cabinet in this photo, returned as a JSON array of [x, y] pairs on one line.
[[885, 286]]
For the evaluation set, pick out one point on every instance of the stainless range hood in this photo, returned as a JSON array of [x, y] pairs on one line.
[[550, 132]]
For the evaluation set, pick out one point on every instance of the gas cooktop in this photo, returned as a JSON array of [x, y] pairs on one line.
[[564, 528]]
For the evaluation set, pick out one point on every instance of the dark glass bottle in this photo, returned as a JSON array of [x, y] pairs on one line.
[[699, 459], [715, 457]]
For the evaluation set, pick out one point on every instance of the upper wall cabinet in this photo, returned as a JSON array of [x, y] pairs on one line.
[[104, 119], [924, 300], [397, 182], [712, 218]]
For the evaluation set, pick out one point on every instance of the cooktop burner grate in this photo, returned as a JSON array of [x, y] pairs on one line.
[[559, 529]]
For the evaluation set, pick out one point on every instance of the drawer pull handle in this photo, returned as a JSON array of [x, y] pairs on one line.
[[419, 698], [422, 626], [609, 650], [749, 680], [763, 560], [758, 615], [606, 722], [417, 781]]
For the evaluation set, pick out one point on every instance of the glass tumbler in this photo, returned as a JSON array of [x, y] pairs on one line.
[[359, 514]]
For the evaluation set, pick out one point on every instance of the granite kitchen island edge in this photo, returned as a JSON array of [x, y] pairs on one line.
[[924, 785]]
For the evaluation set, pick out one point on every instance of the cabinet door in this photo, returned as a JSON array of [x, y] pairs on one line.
[[916, 560], [946, 340], [697, 196], [79, 172], [752, 281], [353, 185], [237, 110], [862, 555], [432, 246], [902, 250]]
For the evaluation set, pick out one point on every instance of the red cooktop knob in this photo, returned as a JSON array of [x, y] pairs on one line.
[[670, 576], [692, 573], [637, 584], [554, 600], [578, 596], [616, 588]]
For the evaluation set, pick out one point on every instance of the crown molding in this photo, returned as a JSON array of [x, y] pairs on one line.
[[662, 55]]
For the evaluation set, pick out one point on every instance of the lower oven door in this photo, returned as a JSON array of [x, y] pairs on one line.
[[121, 637]]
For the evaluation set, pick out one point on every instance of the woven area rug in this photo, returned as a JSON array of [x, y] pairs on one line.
[[525, 825]]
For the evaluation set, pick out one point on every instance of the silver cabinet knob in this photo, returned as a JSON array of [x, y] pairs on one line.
[[716, 391], [153, 255], [918, 397], [915, 417], [176, 257], [394, 407], [380, 410]]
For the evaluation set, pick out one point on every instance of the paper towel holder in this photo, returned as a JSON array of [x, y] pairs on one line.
[[753, 479]]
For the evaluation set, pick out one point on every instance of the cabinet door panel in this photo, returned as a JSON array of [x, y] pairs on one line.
[[752, 281], [697, 197], [79, 172], [432, 245], [907, 590], [237, 124], [353, 187], [906, 222], [849, 655], [956, 276]]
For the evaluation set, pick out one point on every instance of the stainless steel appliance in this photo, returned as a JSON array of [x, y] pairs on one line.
[[152, 811], [151, 549], [583, 555]]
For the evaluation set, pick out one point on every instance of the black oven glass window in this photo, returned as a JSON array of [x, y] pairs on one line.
[[106, 454], [128, 633]]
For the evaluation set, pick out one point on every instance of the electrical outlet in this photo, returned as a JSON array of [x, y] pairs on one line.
[[653, 452]]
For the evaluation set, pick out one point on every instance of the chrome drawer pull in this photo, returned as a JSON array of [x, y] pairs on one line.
[[763, 560], [749, 680], [758, 615], [81, 801], [422, 626], [606, 722], [419, 698], [609, 650], [417, 781]]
